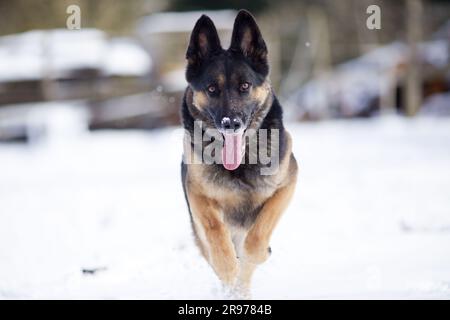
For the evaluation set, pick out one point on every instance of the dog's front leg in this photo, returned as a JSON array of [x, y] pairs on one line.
[[215, 237], [256, 245]]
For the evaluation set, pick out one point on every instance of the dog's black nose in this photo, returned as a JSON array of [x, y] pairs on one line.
[[226, 123], [231, 124], [237, 124]]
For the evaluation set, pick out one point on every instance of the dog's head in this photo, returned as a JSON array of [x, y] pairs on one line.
[[228, 85], [228, 88]]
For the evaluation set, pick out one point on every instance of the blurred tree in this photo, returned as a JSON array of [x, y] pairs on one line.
[[413, 92], [113, 15], [251, 5]]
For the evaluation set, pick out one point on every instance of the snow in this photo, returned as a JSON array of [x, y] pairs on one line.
[[370, 217], [34, 54], [74, 49], [355, 84], [127, 58]]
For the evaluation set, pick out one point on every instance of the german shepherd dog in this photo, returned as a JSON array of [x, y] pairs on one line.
[[234, 208]]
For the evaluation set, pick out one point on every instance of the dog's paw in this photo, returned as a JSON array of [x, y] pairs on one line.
[[241, 292], [229, 278], [227, 271], [256, 253]]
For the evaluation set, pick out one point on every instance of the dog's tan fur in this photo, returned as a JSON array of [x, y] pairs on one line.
[[214, 232]]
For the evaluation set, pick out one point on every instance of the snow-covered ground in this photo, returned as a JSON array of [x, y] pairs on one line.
[[57, 53], [370, 217]]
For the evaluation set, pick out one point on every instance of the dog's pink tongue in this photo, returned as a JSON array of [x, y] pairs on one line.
[[232, 150]]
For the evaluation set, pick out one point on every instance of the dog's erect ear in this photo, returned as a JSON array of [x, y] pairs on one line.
[[204, 41], [247, 39]]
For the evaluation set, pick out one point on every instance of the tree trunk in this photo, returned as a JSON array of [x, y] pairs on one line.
[[413, 89]]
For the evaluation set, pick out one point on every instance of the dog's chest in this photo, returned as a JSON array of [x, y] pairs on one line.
[[239, 196]]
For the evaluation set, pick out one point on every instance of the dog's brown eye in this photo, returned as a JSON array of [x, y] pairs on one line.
[[244, 86], [211, 89]]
